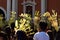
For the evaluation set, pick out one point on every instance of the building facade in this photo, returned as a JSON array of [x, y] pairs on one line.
[[28, 6]]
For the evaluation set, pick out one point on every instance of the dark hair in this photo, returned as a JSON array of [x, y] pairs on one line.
[[43, 25], [21, 35]]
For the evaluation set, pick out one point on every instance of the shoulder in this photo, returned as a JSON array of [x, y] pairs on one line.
[[36, 34], [41, 34]]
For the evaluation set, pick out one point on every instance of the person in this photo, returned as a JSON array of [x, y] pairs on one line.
[[41, 34], [58, 35], [12, 29], [3, 36], [51, 33], [21, 35], [8, 32]]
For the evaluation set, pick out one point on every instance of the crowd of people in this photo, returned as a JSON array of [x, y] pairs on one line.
[[41, 34]]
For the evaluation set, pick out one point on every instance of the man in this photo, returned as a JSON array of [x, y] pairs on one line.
[[41, 34]]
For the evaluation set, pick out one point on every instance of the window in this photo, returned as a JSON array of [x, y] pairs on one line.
[[29, 10]]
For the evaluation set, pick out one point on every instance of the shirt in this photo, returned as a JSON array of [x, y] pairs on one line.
[[41, 36]]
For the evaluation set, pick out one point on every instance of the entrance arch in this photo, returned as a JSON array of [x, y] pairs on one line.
[[3, 11]]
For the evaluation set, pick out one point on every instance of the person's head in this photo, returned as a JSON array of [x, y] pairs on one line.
[[21, 35], [42, 26]]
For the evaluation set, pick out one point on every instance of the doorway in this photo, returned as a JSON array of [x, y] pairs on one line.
[[29, 10]]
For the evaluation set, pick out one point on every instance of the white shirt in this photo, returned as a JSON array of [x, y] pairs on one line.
[[41, 36]]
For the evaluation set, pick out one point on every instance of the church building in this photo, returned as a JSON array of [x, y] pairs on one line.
[[28, 6]]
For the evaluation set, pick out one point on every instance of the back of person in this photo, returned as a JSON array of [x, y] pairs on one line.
[[41, 34]]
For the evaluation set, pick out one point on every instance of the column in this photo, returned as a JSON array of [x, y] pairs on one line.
[[8, 9], [15, 6], [34, 7], [43, 6], [33, 10], [16, 9], [24, 8]]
